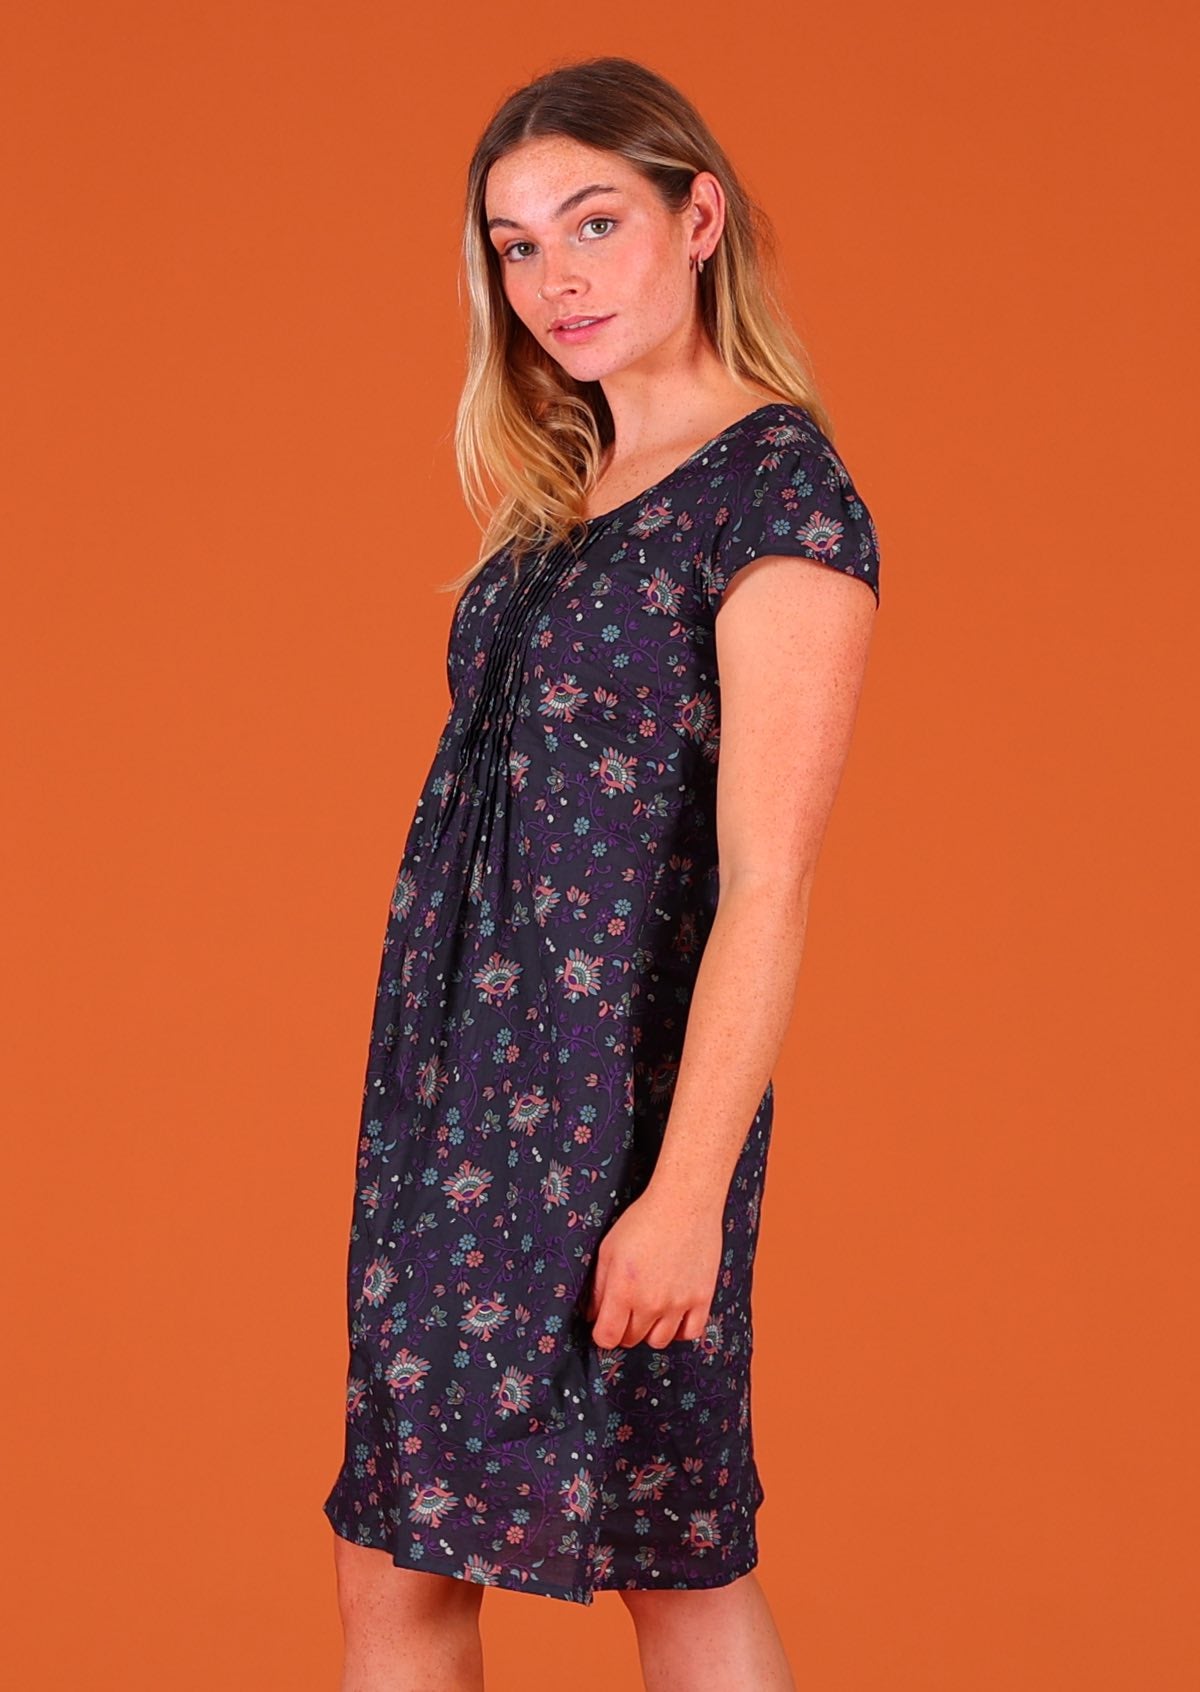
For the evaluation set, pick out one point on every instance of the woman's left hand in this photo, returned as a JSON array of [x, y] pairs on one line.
[[656, 1271]]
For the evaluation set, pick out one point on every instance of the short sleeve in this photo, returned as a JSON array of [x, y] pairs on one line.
[[796, 499]]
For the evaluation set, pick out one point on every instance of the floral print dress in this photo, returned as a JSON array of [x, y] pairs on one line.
[[557, 887]]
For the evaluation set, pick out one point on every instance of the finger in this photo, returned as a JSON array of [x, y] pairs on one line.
[[694, 1323], [610, 1325], [663, 1331], [597, 1295], [639, 1325]]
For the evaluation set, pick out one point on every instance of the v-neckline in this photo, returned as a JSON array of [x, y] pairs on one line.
[[706, 446]]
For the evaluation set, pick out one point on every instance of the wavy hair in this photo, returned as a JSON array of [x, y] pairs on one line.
[[523, 424]]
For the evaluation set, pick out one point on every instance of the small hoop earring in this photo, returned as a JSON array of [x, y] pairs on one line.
[[698, 266]]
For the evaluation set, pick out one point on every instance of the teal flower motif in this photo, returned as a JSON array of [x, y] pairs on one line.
[[539, 962]]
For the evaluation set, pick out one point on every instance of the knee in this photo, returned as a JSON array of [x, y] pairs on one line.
[[370, 1584], [647, 1604], [690, 1602]]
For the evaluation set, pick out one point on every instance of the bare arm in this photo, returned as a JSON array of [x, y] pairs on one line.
[[792, 643]]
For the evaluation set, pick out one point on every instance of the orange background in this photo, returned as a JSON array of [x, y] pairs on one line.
[[233, 347]]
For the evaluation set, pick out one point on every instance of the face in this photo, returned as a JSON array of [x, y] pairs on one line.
[[580, 233]]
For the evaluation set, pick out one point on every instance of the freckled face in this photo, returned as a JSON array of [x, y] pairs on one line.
[[614, 252]]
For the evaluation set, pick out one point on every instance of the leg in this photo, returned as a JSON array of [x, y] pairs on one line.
[[709, 1640], [405, 1631]]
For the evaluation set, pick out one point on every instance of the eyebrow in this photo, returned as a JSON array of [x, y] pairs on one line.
[[569, 204]]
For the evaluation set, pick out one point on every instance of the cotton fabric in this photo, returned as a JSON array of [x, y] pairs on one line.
[[550, 910]]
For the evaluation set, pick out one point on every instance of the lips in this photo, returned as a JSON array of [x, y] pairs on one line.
[[580, 321]]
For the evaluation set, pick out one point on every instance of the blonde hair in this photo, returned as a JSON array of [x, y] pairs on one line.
[[522, 422]]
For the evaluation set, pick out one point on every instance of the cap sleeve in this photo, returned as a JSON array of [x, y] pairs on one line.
[[796, 499]]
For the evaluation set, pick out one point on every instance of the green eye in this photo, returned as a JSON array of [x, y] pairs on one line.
[[509, 251]]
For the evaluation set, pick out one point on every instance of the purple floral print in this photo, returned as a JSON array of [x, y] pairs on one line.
[[556, 890]]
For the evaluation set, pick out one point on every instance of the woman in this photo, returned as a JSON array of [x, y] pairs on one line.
[[557, 1196]]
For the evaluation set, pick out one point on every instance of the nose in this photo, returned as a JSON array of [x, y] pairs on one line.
[[559, 278], [554, 286]]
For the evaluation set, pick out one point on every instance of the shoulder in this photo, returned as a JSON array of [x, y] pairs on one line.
[[779, 438], [789, 491]]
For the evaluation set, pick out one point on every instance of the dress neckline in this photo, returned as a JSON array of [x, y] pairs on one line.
[[706, 446]]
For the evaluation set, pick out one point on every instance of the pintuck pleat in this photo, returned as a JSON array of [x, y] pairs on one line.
[[474, 795], [544, 934]]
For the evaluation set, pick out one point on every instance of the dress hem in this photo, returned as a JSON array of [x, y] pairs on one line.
[[510, 1579]]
